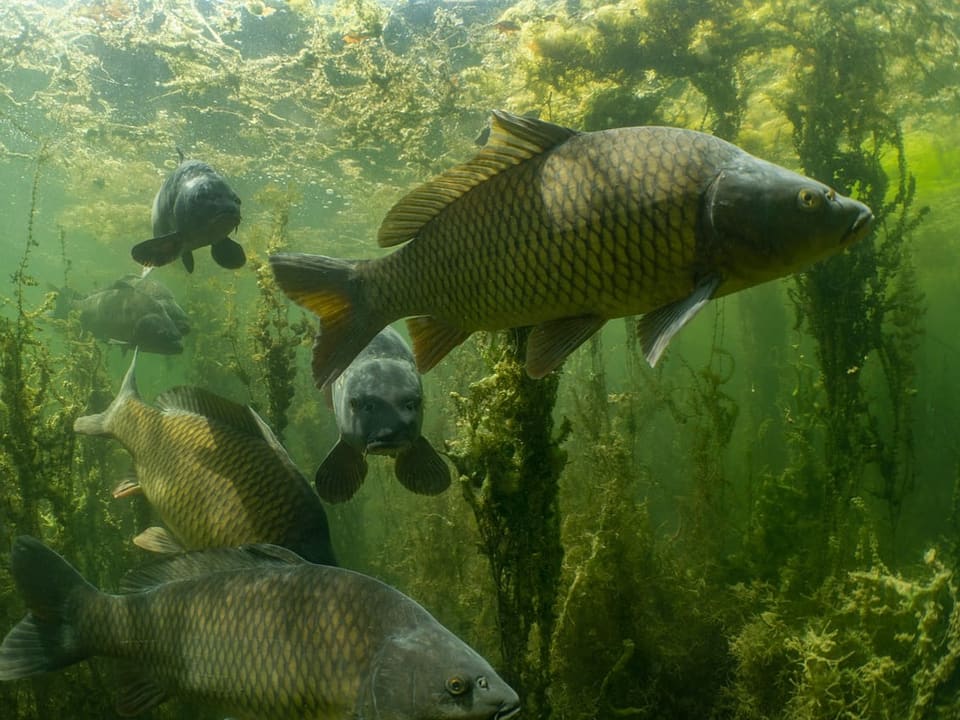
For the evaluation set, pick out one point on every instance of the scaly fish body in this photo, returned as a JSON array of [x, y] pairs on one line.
[[563, 231], [256, 632], [214, 472]]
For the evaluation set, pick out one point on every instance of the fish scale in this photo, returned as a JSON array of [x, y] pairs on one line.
[[256, 632], [213, 472], [562, 231]]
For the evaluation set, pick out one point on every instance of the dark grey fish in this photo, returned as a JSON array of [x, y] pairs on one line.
[[123, 315], [378, 402], [256, 632], [161, 293], [195, 207]]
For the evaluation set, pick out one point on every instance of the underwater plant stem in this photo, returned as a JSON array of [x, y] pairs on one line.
[[510, 461]]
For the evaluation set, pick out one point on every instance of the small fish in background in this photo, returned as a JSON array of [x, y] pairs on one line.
[[149, 285], [213, 471], [378, 403], [255, 632], [562, 230], [195, 207], [122, 315]]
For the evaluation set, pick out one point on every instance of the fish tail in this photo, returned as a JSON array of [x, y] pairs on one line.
[[102, 423], [45, 639], [332, 289]]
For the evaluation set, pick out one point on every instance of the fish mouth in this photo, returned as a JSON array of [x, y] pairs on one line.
[[386, 447], [860, 226], [506, 711]]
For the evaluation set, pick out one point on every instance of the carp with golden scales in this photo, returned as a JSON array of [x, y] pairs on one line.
[[214, 472], [562, 231]]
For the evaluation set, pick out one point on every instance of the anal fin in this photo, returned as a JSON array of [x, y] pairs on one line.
[[432, 340], [549, 343], [138, 693], [657, 328]]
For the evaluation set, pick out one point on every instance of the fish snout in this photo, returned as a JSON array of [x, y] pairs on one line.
[[507, 709], [387, 441], [861, 225]]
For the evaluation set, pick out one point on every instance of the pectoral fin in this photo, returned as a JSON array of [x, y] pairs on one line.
[[551, 342], [656, 329], [421, 469], [188, 263], [341, 473], [127, 487], [159, 250], [158, 540], [228, 254]]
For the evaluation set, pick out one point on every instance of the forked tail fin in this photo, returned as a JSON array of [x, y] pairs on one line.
[[45, 639], [101, 423], [331, 289]]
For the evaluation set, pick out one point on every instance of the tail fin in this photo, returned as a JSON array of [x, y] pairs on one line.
[[101, 423], [66, 297], [44, 640], [331, 289]]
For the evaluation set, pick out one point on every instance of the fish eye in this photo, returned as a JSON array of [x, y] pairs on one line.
[[809, 199], [456, 685]]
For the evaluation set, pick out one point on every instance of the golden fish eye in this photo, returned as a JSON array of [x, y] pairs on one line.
[[809, 199], [456, 685]]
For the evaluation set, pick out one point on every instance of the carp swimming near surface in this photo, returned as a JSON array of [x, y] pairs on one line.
[[123, 315], [213, 471], [256, 632], [195, 207], [378, 403], [562, 230]]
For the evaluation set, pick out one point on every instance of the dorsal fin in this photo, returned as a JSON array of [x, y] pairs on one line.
[[197, 401], [513, 139], [202, 562]]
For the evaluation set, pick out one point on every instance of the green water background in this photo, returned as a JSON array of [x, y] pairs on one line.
[[715, 557]]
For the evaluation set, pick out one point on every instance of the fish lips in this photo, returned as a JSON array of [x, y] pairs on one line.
[[507, 710], [389, 446], [860, 226]]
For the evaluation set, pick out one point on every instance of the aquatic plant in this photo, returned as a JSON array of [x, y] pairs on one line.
[[509, 457]]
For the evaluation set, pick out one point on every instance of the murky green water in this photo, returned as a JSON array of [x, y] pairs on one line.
[[764, 526]]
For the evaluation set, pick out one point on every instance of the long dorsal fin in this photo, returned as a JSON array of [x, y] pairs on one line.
[[202, 562], [513, 139], [197, 401]]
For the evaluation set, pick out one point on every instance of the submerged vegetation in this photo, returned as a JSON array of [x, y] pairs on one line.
[[759, 528]]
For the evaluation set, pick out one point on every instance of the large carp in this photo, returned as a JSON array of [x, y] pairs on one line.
[[255, 632], [563, 231]]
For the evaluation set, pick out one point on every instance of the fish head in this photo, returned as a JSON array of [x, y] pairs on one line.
[[379, 405], [206, 209], [764, 221], [156, 333], [429, 673]]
